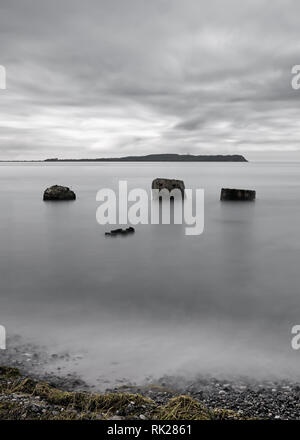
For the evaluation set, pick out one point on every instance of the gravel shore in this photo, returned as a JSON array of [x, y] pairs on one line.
[[251, 399], [244, 397]]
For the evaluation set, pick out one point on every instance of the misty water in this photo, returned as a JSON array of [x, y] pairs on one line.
[[157, 302]]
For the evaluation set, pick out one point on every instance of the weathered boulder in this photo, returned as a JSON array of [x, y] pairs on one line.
[[238, 194], [168, 184], [57, 192]]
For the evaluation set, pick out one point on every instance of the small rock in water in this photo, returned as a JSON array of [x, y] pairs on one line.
[[58, 192], [130, 229], [169, 185], [230, 194], [115, 232]]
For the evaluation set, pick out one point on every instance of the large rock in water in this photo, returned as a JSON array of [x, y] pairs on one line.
[[57, 192], [168, 184], [247, 195]]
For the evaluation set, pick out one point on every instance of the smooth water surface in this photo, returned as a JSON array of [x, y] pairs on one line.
[[157, 302]]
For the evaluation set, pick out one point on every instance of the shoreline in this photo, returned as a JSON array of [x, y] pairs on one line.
[[241, 398], [25, 398]]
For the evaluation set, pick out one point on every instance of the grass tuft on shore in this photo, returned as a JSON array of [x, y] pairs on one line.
[[183, 408], [26, 398], [8, 372], [110, 402]]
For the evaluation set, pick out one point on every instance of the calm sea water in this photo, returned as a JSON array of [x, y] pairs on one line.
[[158, 302]]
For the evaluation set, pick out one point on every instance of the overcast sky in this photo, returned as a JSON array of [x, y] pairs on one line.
[[98, 78]]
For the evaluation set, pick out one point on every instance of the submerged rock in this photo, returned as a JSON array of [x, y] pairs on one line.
[[169, 184], [237, 194], [116, 231], [58, 192], [120, 231]]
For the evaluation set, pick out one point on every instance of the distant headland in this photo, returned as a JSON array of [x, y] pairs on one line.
[[161, 158]]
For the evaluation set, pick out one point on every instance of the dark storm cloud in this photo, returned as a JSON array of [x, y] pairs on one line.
[[101, 78]]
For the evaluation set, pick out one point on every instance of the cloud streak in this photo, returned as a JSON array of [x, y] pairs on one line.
[[136, 77]]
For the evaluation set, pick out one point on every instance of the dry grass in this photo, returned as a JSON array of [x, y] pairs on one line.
[[183, 408], [79, 405]]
